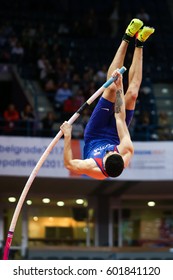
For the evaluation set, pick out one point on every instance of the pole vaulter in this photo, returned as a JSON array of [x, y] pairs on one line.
[[43, 158]]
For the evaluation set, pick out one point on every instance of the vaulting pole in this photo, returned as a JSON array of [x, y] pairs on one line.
[[43, 158]]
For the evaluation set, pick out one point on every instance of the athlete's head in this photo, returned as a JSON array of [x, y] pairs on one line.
[[114, 165]]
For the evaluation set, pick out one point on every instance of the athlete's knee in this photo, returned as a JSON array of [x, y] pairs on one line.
[[131, 96], [132, 93]]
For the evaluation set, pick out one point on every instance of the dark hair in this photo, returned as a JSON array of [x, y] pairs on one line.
[[114, 165]]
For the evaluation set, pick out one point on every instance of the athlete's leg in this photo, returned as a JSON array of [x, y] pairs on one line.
[[135, 79], [119, 57], [135, 71]]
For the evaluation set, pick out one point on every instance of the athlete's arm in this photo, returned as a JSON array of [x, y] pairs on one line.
[[125, 147], [79, 166]]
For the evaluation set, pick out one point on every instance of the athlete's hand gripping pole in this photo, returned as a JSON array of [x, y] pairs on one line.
[[43, 158]]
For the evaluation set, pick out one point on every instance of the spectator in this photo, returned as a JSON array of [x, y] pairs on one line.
[[27, 120], [164, 127], [79, 97], [72, 104], [45, 69], [69, 107], [47, 124], [63, 70], [76, 81], [63, 93], [100, 76], [11, 118], [144, 128], [17, 53]]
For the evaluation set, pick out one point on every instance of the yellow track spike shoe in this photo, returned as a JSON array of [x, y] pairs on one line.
[[145, 33], [133, 27]]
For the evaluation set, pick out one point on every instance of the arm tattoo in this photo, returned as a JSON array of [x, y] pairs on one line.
[[118, 102]]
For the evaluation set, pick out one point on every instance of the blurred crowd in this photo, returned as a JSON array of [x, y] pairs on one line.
[[67, 56]]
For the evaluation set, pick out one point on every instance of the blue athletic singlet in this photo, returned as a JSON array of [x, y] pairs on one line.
[[101, 134]]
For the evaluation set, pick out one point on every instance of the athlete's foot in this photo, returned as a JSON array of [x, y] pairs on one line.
[[133, 27], [144, 33]]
